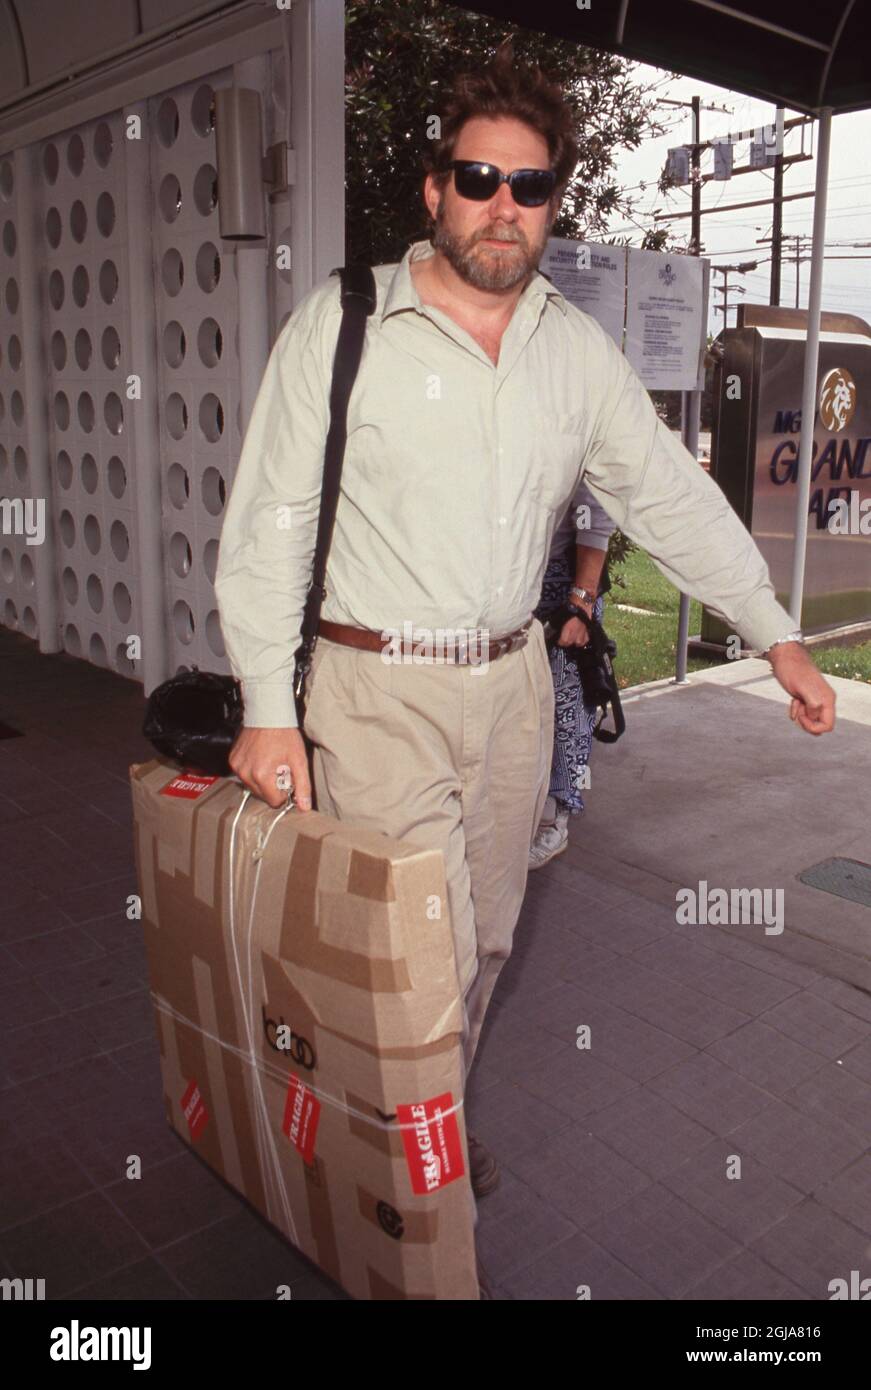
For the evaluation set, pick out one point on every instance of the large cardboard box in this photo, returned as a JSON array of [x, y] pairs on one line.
[[308, 1010]]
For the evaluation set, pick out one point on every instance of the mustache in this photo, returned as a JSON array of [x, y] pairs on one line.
[[510, 240]]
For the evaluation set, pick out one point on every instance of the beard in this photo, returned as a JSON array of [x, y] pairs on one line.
[[483, 266]]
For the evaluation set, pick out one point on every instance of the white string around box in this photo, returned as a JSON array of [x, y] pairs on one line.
[[265, 1139]]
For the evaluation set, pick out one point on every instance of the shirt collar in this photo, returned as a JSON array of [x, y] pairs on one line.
[[402, 294]]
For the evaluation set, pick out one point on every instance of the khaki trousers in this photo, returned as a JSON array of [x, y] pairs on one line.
[[455, 758]]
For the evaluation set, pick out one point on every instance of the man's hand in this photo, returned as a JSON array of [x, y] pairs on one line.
[[575, 632], [813, 699], [272, 762]]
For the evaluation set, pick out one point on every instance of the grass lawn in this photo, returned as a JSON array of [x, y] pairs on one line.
[[646, 641]]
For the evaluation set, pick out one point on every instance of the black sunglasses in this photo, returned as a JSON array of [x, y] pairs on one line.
[[529, 187]]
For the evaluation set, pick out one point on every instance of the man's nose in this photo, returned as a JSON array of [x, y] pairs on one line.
[[502, 204]]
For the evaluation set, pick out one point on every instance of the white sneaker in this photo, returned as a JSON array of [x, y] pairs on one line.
[[551, 839]]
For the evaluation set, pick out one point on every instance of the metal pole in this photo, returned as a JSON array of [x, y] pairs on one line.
[[691, 401], [797, 274], [811, 365], [777, 228]]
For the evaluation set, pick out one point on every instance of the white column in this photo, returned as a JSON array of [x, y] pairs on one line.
[[317, 135], [34, 363], [144, 419], [811, 365], [252, 270]]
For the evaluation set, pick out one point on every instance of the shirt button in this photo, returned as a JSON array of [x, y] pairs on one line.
[[503, 520], [500, 451], [499, 590]]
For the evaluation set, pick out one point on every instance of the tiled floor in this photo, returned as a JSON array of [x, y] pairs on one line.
[[619, 1159]]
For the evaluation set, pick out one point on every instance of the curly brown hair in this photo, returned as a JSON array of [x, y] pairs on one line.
[[508, 88]]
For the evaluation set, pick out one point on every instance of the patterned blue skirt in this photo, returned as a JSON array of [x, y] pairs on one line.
[[573, 720]]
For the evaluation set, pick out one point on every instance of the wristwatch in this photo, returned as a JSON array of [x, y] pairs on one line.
[[796, 636], [584, 595]]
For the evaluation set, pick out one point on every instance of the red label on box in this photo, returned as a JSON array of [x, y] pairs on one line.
[[189, 784], [195, 1111], [432, 1144], [301, 1113]]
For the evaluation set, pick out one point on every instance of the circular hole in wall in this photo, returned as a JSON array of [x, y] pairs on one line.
[[178, 485], [210, 342], [172, 271], [78, 221], [174, 343], [167, 122], [169, 198], [208, 267], [122, 602], [83, 349], [206, 189], [180, 556], [117, 475], [90, 476], [72, 640], [81, 286], [183, 622], [110, 347], [92, 534], [94, 590], [214, 492], [108, 281], [113, 413], [70, 586], [119, 540], [106, 214], [211, 415]]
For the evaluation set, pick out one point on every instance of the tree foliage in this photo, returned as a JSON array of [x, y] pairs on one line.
[[401, 56]]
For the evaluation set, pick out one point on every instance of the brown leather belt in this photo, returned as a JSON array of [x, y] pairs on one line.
[[457, 653]]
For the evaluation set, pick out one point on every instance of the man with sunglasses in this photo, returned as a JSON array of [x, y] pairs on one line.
[[481, 400]]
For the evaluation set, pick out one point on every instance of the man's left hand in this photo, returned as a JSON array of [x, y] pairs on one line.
[[575, 632], [813, 699]]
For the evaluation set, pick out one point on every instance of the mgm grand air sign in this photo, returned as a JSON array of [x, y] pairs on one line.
[[757, 420]]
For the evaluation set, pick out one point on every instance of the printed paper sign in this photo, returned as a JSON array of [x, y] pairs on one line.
[[665, 327], [301, 1113], [194, 1110], [188, 784], [591, 277], [432, 1143]]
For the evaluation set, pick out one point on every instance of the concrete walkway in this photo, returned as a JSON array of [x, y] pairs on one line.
[[706, 1044]]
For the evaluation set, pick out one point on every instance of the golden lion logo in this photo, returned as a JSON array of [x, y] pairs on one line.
[[837, 399]]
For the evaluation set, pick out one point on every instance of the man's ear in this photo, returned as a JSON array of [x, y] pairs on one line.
[[431, 196]]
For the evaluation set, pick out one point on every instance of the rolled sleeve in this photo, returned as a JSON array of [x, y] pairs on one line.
[[661, 498], [598, 533], [270, 526]]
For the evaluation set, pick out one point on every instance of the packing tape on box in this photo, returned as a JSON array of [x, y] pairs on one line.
[[270, 1164]]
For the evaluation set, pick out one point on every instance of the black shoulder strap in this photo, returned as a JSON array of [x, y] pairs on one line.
[[358, 299]]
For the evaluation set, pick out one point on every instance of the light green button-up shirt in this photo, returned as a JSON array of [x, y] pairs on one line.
[[456, 474]]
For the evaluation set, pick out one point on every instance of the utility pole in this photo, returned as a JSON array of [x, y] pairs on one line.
[[726, 271], [777, 229], [696, 238]]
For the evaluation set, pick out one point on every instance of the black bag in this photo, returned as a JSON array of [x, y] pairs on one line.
[[194, 718], [595, 669]]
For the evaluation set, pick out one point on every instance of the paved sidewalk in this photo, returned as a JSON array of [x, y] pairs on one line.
[[705, 1043]]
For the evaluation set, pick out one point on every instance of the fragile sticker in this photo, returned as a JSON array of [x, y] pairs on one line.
[[431, 1137], [188, 784], [301, 1114], [195, 1111]]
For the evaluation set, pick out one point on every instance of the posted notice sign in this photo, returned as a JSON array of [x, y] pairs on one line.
[[593, 278], [665, 319]]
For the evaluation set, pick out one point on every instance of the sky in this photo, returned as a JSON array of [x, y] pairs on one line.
[[731, 237]]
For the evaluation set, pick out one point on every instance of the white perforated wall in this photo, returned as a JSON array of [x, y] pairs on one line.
[[18, 606], [200, 429], [85, 274]]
